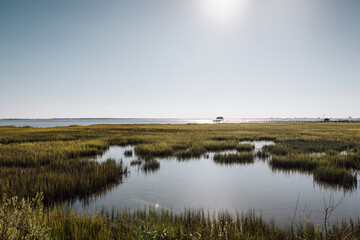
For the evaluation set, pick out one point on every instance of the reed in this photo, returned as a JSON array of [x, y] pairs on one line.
[[128, 153], [331, 175], [136, 162], [262, 155], [30, 222], [232, 158], [150, 166], [61, 181], [154, 150], [332, 168], [299, 162], [54, 161], [35, 154], [214, 146], [30, 148], [245, 147]]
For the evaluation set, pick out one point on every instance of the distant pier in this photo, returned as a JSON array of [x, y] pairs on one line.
[[287, 121]]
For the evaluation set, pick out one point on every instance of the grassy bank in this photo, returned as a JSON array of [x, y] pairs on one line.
[[329, 167], [61, 181], [26, 219], [233, 158]]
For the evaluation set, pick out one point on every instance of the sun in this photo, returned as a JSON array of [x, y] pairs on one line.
[[222, 9]]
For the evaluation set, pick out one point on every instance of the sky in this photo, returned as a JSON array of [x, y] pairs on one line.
[[179, 58]]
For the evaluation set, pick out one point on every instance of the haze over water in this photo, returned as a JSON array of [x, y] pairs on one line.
[[92, 121]]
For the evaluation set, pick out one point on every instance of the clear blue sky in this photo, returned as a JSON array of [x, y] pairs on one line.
[[179, 58]]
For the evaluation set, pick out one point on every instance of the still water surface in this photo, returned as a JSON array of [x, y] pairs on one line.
[[56, 122], [203, 184]]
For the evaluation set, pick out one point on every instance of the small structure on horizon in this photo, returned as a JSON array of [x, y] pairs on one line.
[[326, 119], [219, 120]]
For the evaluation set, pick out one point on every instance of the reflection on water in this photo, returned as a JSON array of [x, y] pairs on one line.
[[202, 184]]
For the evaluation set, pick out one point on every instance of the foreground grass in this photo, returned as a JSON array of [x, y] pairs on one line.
[[26, 219]]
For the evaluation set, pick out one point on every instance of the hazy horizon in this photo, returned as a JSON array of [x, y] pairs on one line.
[[179, 59], [194, 118]]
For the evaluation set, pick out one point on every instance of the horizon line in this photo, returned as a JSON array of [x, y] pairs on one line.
[[54, 118]]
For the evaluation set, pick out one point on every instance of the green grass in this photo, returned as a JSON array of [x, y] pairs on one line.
[[35, 154], [335, 176], [136, 162], [26, 219], [189, 225], [232, 158], [26, 149], [62, 180], [331, 168], [23, 219], [147, 166], [56, 162], [154, 150], [150, 166], [245, 147], [128, 153]]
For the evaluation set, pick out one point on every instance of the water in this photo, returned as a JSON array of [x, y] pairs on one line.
[[203, 184], [55, 122]]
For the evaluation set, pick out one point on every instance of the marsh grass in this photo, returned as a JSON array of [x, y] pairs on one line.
[[62, 180], [262, 155], [332, 168], [23, 218], [234, 158], [128, 153], [215, 146], [43, 151], [300, 146], [331, 175], [148, 151], [150, 166], [183, 149], [136, 162], [51, 160], [35, 154], [26, 219], [245, 147], [192, 224]]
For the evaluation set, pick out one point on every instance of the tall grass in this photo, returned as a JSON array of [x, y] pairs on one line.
[[61, 181], [332, 168], [128, 153], [154, 150], [23, 219], [50, 160], [331, 175], [30, 222], [35, 154], [245, 147], [150, 166], [232, 158], [24, 150]]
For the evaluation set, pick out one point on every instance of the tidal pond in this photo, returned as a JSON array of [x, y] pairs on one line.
[[203, 184]]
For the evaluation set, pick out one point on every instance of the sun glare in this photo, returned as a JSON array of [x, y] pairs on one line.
[[222, 9]]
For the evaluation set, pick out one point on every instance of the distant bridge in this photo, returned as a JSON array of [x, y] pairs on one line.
[[289, 121]]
